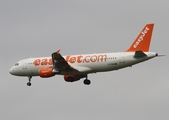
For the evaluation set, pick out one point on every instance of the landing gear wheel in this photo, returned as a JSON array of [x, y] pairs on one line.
[[29, 84], [29, 79], [86, 82]]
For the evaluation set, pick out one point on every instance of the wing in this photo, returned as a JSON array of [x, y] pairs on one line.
[[59, 63]]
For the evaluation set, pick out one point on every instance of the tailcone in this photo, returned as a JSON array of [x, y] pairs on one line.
[[152, 54]]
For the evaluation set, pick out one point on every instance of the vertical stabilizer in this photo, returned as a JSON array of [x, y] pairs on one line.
[[142, 42]]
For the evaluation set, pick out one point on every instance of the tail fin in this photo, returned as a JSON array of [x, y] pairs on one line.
[[142, 42]]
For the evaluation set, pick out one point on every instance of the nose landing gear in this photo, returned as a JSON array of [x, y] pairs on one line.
[[29, 83]]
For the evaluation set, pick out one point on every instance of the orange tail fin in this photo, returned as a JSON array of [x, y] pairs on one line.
[[142, 42]]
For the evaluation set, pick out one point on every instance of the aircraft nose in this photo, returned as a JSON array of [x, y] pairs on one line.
[[11, 71]]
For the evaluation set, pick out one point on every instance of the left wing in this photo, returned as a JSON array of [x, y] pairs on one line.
[[59, 63]]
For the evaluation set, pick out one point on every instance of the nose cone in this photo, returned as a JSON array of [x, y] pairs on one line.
[[18, 71], [11, 71]]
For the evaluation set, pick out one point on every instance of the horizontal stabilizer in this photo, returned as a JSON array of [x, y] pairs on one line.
[[139, 54]]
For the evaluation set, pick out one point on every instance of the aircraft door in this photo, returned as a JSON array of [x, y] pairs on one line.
[[121, 58], [24, 64]]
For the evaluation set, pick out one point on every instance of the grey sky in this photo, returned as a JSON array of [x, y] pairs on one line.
[[38, 28]]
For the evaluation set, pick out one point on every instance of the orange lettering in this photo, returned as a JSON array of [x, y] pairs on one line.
[[101, 58], [67, 58], [79, 59], [93, 58], [72, 60], [87, 59], [50, 61], [44, 62], [37, 62]]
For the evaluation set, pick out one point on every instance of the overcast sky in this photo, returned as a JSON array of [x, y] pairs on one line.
[[34, 28]]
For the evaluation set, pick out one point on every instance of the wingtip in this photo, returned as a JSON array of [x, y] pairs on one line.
[[150, 24], [58, 52]]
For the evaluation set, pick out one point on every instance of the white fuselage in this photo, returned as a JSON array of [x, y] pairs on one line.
[[75, 67], [88, 63]]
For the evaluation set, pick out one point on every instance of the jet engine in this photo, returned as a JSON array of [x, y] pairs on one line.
[[73, 78], [46, 72]]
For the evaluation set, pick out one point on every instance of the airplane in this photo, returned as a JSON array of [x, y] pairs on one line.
[[75, 67]]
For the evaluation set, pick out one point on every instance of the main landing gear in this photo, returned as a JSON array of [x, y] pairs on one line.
[[87, 81], [29, 83]]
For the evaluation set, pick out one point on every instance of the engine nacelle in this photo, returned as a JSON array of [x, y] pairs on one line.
[[46, 72], [71, 78]]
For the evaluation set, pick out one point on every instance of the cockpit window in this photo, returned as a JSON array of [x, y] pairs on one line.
[[16, 64]]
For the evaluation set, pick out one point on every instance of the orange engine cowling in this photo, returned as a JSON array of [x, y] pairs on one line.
[[46, 72], [71, 78]]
